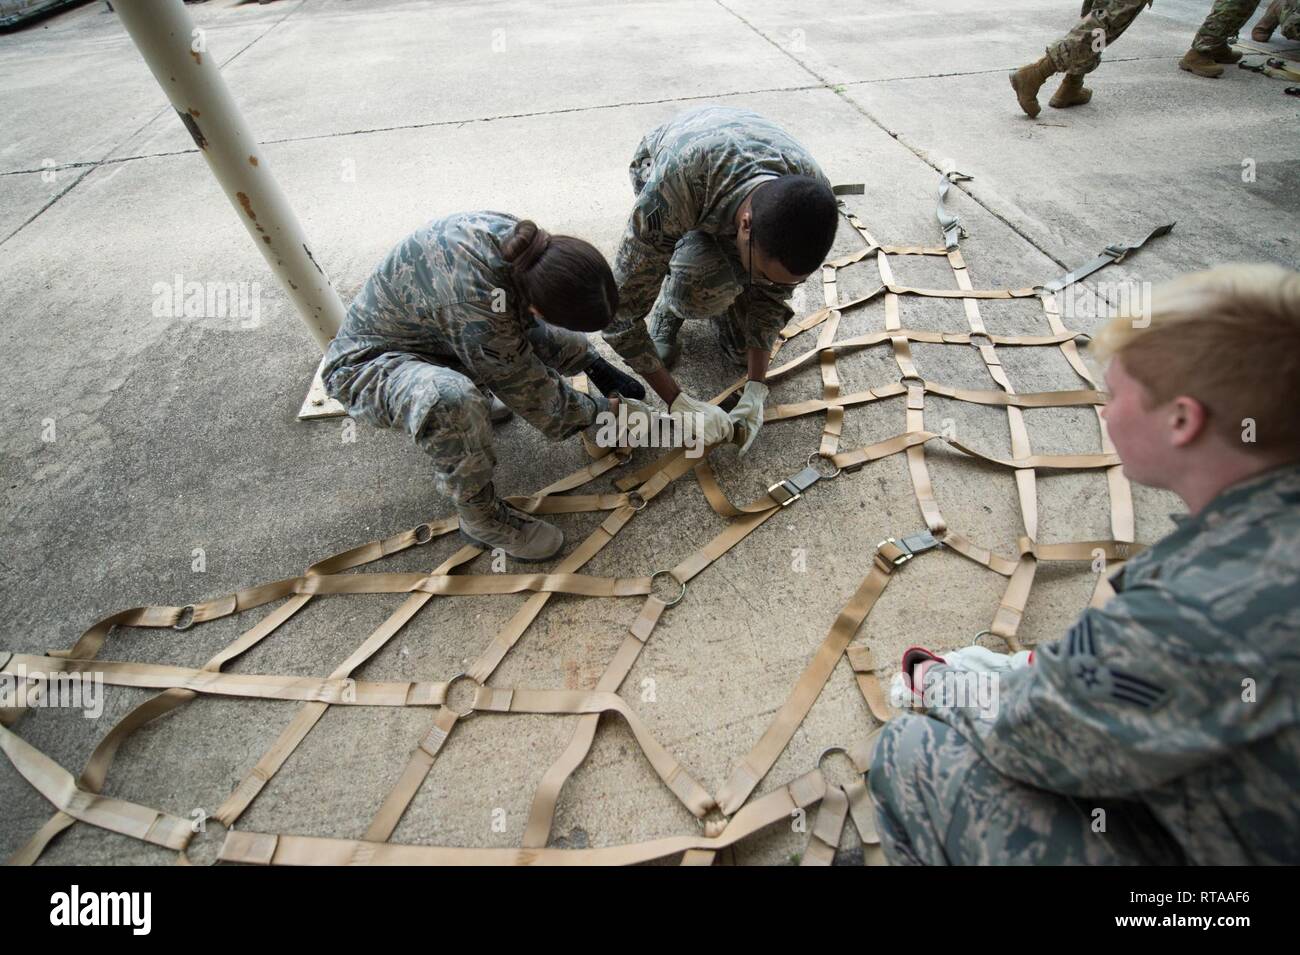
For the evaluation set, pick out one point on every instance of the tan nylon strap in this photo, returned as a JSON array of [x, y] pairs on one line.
[[863, 814], [864, 671], [569, 504], [763, 756], [253, 685], [912, 439], [827, 828], [542, 812], [692, 795], [269, 849], [117, 815]]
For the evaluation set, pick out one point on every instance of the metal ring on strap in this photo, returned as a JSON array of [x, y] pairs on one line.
[[447, 698], [828, 750], [825, 477], [917, 378], [1083, 335], [676, 600], [204, 848], [636, 501], [424, 533], [184, 622]]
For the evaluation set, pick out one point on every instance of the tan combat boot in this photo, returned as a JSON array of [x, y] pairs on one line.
[[1071, 92], [1224, 54], [490, 522], [1027, 81], [1202, 64]]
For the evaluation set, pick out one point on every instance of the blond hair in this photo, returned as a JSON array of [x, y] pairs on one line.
[[1228, 337]]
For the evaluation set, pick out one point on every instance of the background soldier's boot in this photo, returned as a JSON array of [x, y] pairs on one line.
[[1202, 64], [1224, 54], [497, 409], [1027, 81], [1263, 31], [490, 522], [663, 332], [610, 379], [1071, 92]]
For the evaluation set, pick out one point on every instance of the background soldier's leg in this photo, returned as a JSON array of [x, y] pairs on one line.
[[1264, 28], [1226, 18], [1079, 51], [1290, 19], [938, 802]]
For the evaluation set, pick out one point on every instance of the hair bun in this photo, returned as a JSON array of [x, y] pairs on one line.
[[526, 245]]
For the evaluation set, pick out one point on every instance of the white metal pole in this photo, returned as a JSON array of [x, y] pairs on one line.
[[177, 56]]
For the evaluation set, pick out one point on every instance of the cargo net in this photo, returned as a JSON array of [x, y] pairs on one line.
[[729, 815]]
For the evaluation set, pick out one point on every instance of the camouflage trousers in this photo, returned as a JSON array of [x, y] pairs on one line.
[[705, 281], [1226, 18], [1290, 20], [938, 802], [1079, 51], [441, 406]]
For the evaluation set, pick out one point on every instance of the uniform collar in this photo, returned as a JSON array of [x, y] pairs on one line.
[[1260, 494]]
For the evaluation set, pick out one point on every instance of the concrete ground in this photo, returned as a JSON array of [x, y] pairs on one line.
[[175, 434]]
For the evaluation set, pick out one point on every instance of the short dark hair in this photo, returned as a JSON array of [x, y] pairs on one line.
[[565, 278], [793, 219]]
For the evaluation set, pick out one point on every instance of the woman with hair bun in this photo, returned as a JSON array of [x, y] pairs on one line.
[[467, 319]]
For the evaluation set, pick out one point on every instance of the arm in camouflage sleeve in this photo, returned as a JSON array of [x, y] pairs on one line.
[[507, 364], [1123, 703], [663, 213]]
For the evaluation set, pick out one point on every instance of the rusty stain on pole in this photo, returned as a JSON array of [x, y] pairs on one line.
[[165, 36]]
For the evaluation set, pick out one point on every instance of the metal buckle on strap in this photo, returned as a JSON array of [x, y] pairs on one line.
[[786, 485], [1116, 252], [911, 546]]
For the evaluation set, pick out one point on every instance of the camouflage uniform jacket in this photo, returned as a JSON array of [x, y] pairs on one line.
[[697, 170], [445, 294], [1181, 692]]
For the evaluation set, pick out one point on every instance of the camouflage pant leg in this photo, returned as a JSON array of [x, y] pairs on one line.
[[1290, 20], [1226, 18], [568, 352], [441, 409], [1079, 51], [939, 802], [701, 280]]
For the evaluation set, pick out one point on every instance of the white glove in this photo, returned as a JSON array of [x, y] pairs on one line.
[[975, 659], [708, 422], [983, 660], [747, 416], [637, 422]]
